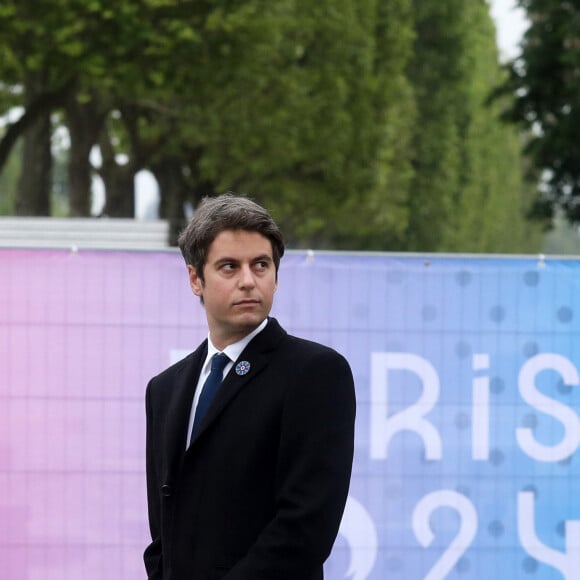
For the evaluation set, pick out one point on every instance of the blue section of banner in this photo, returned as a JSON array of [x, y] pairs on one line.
[[467, 431]]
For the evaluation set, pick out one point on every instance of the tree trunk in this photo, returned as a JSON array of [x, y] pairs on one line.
[[84, 121], [40, 102], [119, 183], [173, 193], [119, 180], [34, 185]]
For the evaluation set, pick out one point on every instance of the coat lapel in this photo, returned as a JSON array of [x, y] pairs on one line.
[[180, 408], [256, 353]]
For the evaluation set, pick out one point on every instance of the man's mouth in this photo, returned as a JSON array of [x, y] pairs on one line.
[[247, 303]]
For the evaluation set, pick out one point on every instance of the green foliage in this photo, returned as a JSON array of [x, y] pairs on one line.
[[362, 124], [546, 86], [467, 191]]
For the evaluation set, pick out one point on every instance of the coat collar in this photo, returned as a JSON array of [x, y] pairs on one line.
[[256, 353]]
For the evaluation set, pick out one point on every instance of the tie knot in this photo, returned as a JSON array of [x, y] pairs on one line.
[[219, 361]]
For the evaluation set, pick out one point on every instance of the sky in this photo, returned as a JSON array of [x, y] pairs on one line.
[[511, 23]]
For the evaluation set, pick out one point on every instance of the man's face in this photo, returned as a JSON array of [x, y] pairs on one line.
[[239, 286]]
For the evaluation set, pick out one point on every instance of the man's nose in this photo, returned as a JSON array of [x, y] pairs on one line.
[[246, 277]]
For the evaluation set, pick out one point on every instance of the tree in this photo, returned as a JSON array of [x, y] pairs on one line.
[[33, 192], [338, 186], [361, 124], [436, 73], [467, 190], [87, 54], [9, 182], [545, 82]]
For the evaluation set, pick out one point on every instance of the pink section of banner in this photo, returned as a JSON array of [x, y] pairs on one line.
[[80, 335]]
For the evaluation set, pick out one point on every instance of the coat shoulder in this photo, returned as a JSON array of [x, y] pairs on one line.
[[309, 346], [169, 375], [175, 368], [309, 350]]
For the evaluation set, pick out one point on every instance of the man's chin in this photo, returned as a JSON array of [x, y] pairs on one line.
[[250, 319]]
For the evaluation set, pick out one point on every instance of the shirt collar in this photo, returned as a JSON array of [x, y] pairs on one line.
[[234, 350]]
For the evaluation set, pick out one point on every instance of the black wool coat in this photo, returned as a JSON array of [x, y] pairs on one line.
[[260, 492]]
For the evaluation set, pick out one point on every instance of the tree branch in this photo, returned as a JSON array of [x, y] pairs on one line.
[[39, 106]]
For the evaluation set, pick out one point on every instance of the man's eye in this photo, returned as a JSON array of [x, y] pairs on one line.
[[228, 267]]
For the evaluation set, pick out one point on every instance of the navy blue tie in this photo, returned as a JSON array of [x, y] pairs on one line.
[[210, 387]]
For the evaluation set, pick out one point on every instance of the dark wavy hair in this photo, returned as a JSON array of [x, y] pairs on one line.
[[226, 212]]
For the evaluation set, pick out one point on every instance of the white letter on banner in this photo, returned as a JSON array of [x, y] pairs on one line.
[[568, 563], [384, 427], [461, 542], [358, 529], [480, 410], [549, 406]]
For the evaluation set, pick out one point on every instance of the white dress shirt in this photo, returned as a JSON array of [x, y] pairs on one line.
[[233, 351]]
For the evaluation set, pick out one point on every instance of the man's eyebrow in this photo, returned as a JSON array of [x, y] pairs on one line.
[[259, 258], [225, 260]]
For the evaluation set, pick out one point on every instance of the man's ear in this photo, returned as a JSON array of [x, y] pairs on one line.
[[195, 281]]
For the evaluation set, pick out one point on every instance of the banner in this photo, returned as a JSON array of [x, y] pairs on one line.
[[467, 374]]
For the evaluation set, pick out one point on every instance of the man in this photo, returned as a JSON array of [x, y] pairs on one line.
[[249, 485]]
